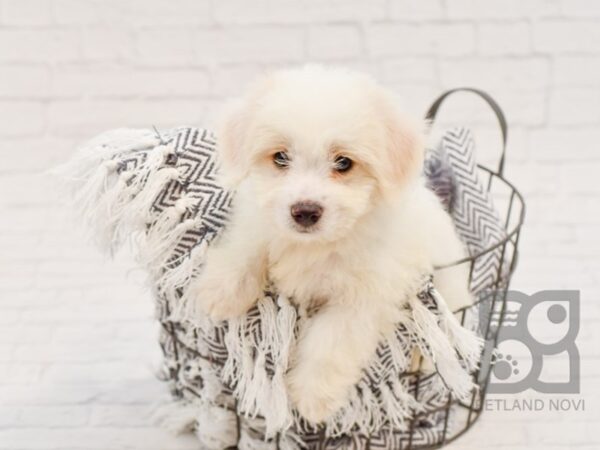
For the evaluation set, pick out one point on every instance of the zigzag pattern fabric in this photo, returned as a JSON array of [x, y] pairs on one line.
[[473, 212], [161, 190]]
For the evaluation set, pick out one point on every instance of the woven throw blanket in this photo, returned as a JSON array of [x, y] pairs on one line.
[[161, 192]]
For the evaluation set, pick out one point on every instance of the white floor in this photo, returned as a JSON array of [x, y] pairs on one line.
[[78, 347]]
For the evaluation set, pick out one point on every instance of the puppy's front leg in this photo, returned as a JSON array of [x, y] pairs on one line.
[[235, 272], [333, 348]]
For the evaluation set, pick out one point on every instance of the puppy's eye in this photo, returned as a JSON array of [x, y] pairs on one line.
[[342, 164], [281, 160]]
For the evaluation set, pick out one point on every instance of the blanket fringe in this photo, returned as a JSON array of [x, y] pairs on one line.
[[258, 393]]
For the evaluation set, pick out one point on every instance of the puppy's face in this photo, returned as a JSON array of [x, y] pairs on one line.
[[321, 147]]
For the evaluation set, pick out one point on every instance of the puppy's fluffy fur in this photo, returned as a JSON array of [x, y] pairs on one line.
[[371, 231]]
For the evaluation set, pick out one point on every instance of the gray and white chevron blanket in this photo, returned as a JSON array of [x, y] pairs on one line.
[[227, 379]]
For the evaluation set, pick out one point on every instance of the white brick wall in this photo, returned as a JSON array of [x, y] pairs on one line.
[[77, 340]]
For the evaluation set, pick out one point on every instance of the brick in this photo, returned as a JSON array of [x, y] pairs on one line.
[[571, 106], [172, 83], [402, 40], [85, 334], [334, 42], [165, 46], [38, 438], [34, 154], [108, 44], [53, 416], [99, 314], [165, 13], [87, 118], [91, 373], [579, 178], [577, 71], [38, 45], [561, 210], [27, 12], [6, 352], [74, 352], [504, 38], [566, 36], [409, 70], [347, 10], [406, 10], [133, 392], [32, 188], [544, 183], [29, 220], [122, 415], [531, 73], [117, 81], [580, 8], [579, 433], [414, 98], [16, 275], [24, 81], [25, 334], [239, 12], [21, 118], [561, 145], [361, 65], [91, 12], [9, 416], [231, 80], [508, 9], [235, 45], [13, 373]]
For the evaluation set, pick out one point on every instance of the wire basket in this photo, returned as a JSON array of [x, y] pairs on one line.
[[452, 417]]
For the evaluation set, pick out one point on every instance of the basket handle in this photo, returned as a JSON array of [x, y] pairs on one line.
[[435, 106]]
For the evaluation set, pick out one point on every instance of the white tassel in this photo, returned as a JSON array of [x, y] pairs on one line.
[[216, 427], [434, 343], [159, 245], [278, 407], [467, 344], [398, 354], [291, 441], [179, 274], [139, 210], [393, 401]]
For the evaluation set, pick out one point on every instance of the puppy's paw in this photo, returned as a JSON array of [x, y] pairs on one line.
[[314, 397], [224, 297]]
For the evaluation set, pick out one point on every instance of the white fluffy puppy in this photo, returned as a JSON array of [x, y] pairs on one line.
[[331, 208]]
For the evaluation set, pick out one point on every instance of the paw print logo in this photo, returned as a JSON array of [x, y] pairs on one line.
[[504, 366], [531, 334]]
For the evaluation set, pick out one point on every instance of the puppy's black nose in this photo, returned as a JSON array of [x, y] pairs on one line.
[[306, 213]]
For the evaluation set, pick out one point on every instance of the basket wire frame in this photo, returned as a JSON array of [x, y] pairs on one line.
[[495, 292]]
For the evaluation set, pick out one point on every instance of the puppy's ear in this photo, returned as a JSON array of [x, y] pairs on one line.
[[235, 123], [231, 136], [405, 148]]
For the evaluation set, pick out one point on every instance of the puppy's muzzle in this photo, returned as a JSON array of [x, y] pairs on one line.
[[306, 214]]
